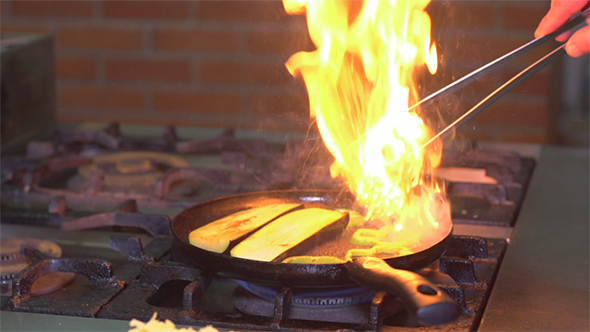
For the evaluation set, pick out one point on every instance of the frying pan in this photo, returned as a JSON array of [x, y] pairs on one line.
[[428, 304]]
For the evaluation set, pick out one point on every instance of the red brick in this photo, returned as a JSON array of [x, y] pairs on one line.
[[147, 70], [196, 40], [462, 14], [279, 42], [486, 49], [483, 49], [536, 55], [244, 73], [99, 38], [281, 111], [525, 135], [24, 28], [196, 101], [279, 123], [249, 11], [484, 85], [512, 113], [524, 16], [538, 84], [513, 134], [479, 134], [52, 8], [447, 75], [146, 9], [75, 67], [290, 105], [101, 97]]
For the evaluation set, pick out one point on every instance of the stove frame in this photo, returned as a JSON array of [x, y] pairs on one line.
[[502, 203]]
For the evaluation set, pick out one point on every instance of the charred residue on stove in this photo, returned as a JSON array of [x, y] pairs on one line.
[[99, 272], [101, 282], [13, 260]]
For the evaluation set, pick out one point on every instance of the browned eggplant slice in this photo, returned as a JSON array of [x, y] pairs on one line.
[[217, 235], [290, 231]]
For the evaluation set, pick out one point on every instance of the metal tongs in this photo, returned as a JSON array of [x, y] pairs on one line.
[[497, 64]]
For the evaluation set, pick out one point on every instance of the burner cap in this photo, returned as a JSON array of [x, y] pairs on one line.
[[132, 169], [11, 249], [13, 261]]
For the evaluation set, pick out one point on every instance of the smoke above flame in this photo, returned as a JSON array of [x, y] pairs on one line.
[[360, 81]]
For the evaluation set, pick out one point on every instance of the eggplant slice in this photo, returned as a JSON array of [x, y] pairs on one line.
[[291, 231], [218, 235]]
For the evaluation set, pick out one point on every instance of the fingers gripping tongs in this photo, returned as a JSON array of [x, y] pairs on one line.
[[497, 64]]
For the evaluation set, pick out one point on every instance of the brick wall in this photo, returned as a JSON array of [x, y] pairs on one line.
[[473, 33], [220, 63]]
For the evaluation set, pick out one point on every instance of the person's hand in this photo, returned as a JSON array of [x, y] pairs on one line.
[[561, 11]]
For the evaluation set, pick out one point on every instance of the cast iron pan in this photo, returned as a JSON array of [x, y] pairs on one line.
[[429, 305]]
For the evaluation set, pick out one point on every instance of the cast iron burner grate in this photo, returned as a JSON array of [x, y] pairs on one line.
[[185, 295], [50, 169]]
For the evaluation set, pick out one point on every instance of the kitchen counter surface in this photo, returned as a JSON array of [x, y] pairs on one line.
[[543, 283], [22, 321]]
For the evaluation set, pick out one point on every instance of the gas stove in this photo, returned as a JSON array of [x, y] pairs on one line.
[[101, 199]]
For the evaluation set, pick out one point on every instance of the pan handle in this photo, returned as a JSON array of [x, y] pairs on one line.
[[423, 299]]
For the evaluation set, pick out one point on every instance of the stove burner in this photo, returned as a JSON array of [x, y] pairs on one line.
[[11, 249], [350, 305], [322, 309], [314, 298], [13, 261], [86, 302], [131, 169]]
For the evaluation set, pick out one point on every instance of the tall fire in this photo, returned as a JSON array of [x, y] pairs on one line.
[[360, 83]]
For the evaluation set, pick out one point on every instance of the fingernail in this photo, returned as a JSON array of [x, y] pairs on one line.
[[573, 51]]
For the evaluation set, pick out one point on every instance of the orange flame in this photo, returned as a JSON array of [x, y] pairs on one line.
[[359, 81]]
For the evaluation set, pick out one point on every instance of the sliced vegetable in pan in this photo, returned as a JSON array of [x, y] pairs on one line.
[[313, 260], [356, 219], [292, 230], [217, 235]]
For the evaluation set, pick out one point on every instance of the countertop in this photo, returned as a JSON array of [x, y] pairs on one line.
[[543, 282]]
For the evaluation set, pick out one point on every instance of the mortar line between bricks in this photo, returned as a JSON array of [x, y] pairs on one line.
[[6, 9], [97, 9], [195, 71], [499, 15], [147, 40], [165, 55], [98, 21], [185, 86], [514, 97], [101, 72]]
